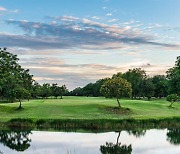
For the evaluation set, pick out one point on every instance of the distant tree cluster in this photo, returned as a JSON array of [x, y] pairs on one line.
[[48, 90], [141, 85], [16, 83]]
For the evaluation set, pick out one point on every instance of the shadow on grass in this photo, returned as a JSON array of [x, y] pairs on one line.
[[116, 110]]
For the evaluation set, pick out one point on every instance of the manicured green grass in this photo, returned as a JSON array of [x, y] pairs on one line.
[[87, 108]]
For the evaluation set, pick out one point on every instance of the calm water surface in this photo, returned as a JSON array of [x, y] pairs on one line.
[[153, 141]]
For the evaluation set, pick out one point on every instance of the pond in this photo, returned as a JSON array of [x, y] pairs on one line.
[[151, 141]]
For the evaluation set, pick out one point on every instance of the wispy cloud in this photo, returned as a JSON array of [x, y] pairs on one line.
[[71, 32], [4, 10], [112, 20]]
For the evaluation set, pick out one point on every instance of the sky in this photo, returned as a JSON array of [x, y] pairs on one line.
[[75, 42]]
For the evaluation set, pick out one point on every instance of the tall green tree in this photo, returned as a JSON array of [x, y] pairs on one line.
[[12, 75], [88, 90], [97, 86], [116, 87], [77, 92], [62, 90], [45, 90], [55, 91], [21, 93], [135, 76], [160, 86], [148, 88], [173, 75]]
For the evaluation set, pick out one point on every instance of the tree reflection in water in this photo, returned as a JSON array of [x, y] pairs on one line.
[[173, 136], [15, 140], [111, 148], [137, 133]]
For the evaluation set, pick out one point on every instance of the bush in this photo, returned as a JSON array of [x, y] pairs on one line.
[[172, 98]]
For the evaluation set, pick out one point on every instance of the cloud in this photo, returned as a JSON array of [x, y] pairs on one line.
[[14, 11], [112, 20], [69, 32], [51, 70], [109, 14], [104, 7], [96, 17], [3, 8]]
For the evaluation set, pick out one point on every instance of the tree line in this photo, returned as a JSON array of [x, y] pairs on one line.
[[142, 85], [16, 83], [135, 83]]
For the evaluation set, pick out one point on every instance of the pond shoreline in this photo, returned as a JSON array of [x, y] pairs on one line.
[[91, 124]]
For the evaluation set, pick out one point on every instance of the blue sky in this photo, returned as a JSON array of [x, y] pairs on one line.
[[76, 42]]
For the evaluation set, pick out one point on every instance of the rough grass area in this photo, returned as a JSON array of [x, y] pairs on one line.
[[88, 108]]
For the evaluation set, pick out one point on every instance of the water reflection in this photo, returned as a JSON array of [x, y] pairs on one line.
[[173, 136], [121, 142], [111, 148], [137, 133], [15, 140]]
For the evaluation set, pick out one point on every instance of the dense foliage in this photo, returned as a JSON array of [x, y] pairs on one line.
[[116, 87], [173, 75], [17, 83], [172, 98], [142, 85]]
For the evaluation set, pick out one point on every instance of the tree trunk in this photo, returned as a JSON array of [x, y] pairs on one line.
[[171, 104], [118, 138], [118, 102], [61, 96], [20, 104]]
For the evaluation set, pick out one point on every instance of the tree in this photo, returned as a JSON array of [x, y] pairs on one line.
[[160, 86], [55, 91], [77, 92], [12, 75], [172, 98], [116, 87], [88, 90], [45, 90], [148, 88], [62, 90], [35, 90], [97, 86], [173, 75], [20, 94], [135, 76]]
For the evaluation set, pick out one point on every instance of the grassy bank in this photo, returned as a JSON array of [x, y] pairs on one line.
[[79, 110]]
